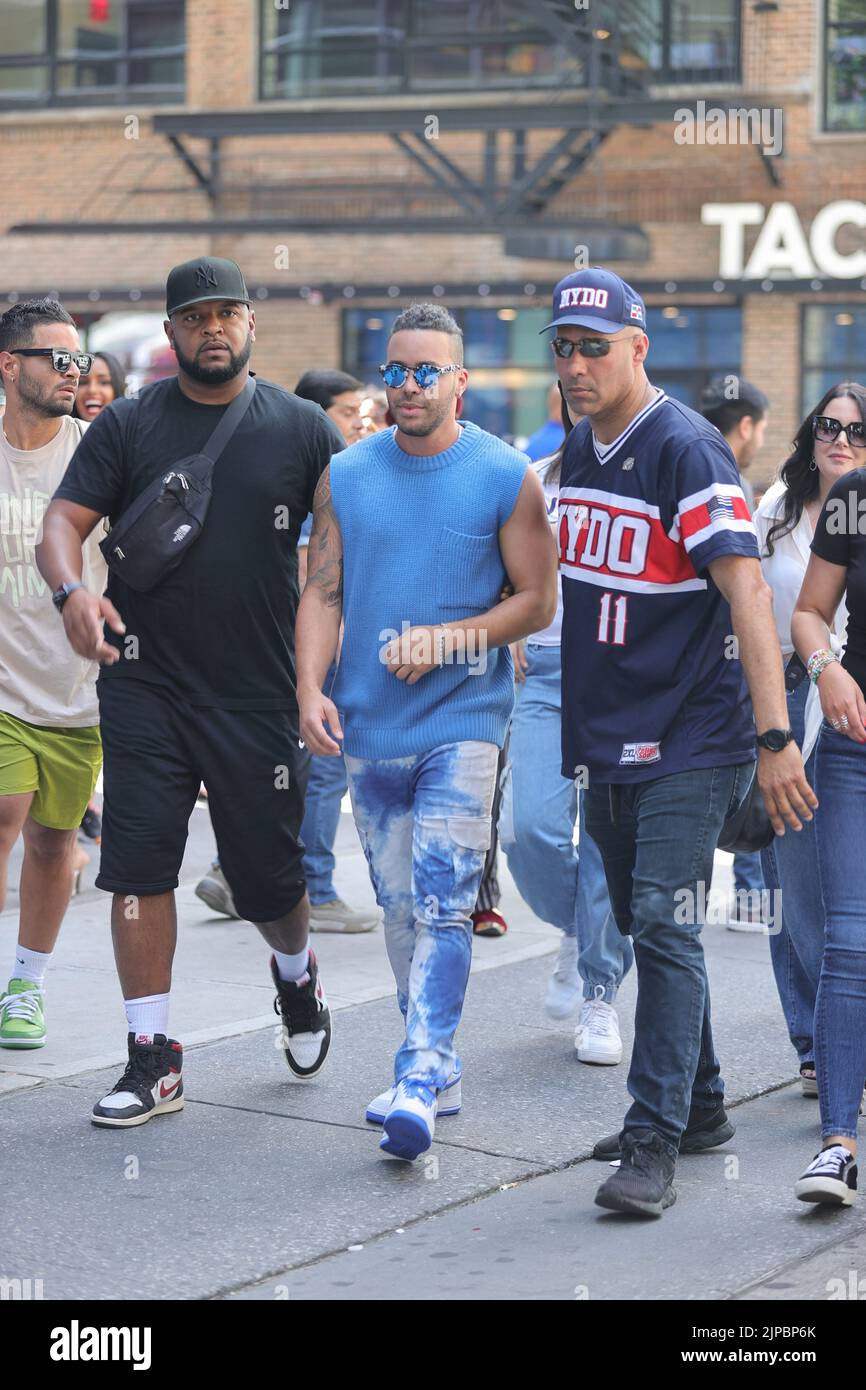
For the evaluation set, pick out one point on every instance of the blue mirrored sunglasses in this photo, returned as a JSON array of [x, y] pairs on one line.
[[426, 375]]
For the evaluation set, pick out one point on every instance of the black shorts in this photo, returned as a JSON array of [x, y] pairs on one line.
[[157, 751]]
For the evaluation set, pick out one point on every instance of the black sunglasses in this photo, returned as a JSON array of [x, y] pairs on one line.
[[60, 358], [826, 428], [587, 347]]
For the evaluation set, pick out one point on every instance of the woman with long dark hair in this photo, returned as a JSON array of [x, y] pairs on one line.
[[837, 566], [563, 884], [104, 383], [785, 522]]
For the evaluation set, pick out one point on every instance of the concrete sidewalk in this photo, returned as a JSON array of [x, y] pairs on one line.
[[265, 1189], [222, 984]]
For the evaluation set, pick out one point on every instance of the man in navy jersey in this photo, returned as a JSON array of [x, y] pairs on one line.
[[667, 620]]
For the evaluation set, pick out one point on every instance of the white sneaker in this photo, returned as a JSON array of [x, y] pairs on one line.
[[410, 1122], [337, 916], [448, 1101], [563, 987], [214, 890], [597, 1036]]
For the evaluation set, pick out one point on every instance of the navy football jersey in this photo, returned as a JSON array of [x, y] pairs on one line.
[[650, 680]]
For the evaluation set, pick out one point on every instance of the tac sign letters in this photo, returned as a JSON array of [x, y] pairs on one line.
[[782, 249]]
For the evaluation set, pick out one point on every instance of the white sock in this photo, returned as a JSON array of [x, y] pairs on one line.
[[147, 1016], [30, 965], [292, 967]]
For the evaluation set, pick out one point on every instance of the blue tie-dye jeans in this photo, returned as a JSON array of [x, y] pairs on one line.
[[424, 823]]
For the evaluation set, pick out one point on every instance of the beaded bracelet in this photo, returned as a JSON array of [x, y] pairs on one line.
[[818, 662]]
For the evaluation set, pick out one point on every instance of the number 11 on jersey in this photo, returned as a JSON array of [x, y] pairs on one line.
[[616, 620]]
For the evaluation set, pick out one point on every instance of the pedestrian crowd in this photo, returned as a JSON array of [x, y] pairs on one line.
[[603, 657]]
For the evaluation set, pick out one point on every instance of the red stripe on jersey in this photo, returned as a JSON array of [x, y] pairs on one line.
[[610, 540], [697, 518]]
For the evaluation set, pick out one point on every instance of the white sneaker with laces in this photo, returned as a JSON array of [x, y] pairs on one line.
[[337, 916], [563, 987], [597, 1036]]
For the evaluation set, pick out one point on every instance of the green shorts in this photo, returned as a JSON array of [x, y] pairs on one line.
[[60, 765]]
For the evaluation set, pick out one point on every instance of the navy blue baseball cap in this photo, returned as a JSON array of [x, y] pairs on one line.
[[598, 299]]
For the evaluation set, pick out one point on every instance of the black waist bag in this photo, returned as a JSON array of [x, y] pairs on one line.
[[156, 531]]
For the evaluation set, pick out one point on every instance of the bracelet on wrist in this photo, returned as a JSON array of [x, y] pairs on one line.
[[818, 662]]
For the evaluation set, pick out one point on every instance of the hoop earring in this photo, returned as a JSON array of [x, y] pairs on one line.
[[813, 465]]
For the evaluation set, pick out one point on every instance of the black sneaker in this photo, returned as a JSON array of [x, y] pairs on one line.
[[306, 1031], [706, 1129], [91, 823], [151, 1085], [643, 1184], [831, 1177]]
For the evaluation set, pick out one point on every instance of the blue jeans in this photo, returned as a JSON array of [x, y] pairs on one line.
[[748, 875], [326, 788], [840, 1010], [657, 840], [536, 829], [790, 863], [425, 825]]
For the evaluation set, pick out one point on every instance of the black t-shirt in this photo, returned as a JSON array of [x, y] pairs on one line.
[[220, 628], [840, 537]]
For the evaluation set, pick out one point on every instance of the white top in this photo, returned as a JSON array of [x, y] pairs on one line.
[[784, 571], [42, 680], [550, 636]]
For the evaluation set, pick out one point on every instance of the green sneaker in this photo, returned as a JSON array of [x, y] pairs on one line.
[[22, 1022]]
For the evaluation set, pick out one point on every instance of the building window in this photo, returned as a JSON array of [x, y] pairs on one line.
[[511, 365], [845, 65], [834, 349], [91, 52], [325, 47], [690, 345], [685, 40]]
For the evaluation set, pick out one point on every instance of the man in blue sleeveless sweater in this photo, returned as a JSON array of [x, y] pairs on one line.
[[415, 532]]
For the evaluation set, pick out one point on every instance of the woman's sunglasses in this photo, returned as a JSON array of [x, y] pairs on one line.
[[60, 358], [827, 429]]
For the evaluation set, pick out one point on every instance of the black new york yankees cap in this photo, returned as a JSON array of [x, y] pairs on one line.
[[209, 277]]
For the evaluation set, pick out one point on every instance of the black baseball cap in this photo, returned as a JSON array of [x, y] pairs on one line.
[[597, 299], [209, 277], [724, 391]]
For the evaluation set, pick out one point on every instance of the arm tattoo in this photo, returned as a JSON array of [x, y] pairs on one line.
[[325, 551]]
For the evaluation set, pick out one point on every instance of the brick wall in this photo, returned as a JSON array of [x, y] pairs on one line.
[[80, 164]]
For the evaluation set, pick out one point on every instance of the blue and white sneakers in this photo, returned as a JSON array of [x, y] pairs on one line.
[[449, 1099], [410, 1121]]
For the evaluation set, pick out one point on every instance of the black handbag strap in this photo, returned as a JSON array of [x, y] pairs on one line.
[[229, 422]]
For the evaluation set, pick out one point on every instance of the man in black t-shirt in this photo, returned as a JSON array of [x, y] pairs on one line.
[[198, 674]]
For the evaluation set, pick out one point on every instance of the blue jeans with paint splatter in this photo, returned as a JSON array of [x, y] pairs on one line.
[[424, 822]]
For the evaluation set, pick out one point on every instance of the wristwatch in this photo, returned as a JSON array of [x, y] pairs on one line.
[[59, 597], [775, 739]]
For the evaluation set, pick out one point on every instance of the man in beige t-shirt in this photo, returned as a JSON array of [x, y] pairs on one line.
[[50, 752]]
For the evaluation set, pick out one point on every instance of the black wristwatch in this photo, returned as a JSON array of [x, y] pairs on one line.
[[775, 739], [59, 597]]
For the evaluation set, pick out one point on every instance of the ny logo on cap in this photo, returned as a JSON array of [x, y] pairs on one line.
[[205, 275]]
